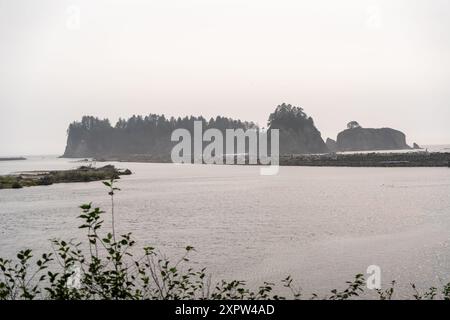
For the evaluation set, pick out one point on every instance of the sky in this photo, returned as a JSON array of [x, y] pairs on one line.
[[381, 63]]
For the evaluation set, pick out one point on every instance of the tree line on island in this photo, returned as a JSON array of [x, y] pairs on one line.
[[150, 136]]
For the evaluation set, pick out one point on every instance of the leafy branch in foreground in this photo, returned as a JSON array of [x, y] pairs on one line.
[[110, 270]]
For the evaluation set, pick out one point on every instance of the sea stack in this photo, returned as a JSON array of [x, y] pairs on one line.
[[357, 138], [298, 134]]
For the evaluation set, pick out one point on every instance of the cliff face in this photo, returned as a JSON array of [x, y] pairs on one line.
[[366, 139], [298, 134], [91, 137]]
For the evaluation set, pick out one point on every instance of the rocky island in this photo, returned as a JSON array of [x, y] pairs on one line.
[[45, 178], [357, 138], [149, 138], [298, 134]]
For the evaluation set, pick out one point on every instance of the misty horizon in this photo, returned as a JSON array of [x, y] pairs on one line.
[[259, 125], [380, 63]]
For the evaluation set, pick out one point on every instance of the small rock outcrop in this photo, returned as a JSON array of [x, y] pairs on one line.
[[332, 145], [416, 146]]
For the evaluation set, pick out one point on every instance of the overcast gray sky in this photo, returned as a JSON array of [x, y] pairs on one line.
[[382, 63]]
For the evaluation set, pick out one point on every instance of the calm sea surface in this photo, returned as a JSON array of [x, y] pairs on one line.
[[320, 225]]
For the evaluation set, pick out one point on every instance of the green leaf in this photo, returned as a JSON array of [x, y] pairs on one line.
[[86, 206]]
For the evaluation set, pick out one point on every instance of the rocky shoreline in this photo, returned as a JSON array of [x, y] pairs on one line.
[[370, 159], [373, 159]]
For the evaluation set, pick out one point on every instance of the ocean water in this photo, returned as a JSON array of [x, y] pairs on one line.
[[321, 225]]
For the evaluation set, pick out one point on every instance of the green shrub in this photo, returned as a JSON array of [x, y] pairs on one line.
[[16, 185], [45, 181]]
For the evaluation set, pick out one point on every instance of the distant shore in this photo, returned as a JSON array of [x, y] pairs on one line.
[[12, 158], [368, 159], [373, 159]]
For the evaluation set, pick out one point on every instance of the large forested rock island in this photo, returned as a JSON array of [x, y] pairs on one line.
[[138, 138], [357, 138], [148, 138]]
